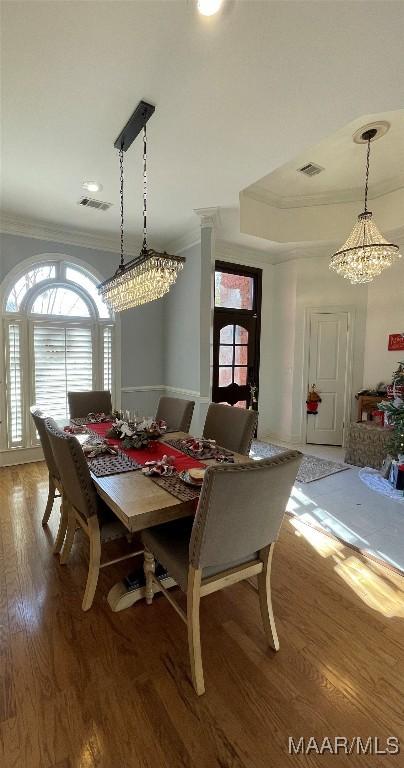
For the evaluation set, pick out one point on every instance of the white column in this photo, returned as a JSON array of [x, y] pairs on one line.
[[209, 218]]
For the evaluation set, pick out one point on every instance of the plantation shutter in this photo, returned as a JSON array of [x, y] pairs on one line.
[[14, 385], [63, 362], [107, 358]]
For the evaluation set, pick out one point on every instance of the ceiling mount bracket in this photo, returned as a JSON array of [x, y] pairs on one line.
[[372, 131], [135, 124]]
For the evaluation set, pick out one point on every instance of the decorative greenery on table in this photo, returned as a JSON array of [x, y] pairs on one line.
[[136, 435], [137, 441]]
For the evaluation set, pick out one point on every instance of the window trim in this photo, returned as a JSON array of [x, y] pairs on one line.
[[36, 290], [60, 261], [240, 269]]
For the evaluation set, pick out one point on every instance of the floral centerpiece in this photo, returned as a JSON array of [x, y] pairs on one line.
[[136, 434]]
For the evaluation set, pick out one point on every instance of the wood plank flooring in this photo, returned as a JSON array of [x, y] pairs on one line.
[[79, 690]]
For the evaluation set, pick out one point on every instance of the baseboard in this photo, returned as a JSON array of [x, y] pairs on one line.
[[13, 456], [273, 437]]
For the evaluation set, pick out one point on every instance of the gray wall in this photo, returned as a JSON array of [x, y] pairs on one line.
[[141, 328], [181, 315]]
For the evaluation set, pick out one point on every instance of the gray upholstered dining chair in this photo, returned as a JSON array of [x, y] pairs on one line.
[[83, 403], [176, 412], [55, 482], [84, 507], [232, 428], [232, 538]]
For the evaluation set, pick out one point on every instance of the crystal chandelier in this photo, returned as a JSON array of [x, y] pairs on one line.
[[150, 275], [366, 252]]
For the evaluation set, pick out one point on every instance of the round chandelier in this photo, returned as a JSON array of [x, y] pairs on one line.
[[150, 275], [366, 253]]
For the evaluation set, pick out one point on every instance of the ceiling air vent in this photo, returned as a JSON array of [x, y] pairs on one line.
[[310, 169], [90, 202]]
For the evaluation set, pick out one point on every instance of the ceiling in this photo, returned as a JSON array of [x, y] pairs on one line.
[[237, 95], [343, 163]]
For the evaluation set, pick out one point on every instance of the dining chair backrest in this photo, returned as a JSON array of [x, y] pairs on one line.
[[177, 413], [231, 427], [77, 484], [241, 508], [39, 419], [83, 403]]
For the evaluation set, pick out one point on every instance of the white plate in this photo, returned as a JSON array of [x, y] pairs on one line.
[[184, 475]]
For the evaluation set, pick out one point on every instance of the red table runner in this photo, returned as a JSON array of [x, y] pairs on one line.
[[154, 452]]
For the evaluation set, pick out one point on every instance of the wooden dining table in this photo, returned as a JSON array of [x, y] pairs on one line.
[[140, 503]]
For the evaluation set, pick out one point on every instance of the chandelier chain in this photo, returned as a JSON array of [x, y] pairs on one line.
[[147, 277], [121, 198], [367, 175], [144, 188]]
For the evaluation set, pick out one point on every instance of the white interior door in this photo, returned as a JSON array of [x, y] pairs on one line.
[[328, 371]]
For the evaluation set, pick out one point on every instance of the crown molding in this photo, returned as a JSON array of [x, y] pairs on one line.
[[262, 195], [42, 230], [227, 249]]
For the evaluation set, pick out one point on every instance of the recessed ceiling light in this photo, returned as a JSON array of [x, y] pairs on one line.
[[92, 186], [209, 7]]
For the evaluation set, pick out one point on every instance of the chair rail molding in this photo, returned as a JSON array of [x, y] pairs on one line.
[[164, 388], [144, 388]]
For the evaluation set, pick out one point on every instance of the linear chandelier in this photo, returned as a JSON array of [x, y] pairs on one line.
[[150, 275], [366, 253]]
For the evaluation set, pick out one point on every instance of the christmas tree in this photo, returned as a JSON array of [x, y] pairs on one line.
[[395, 412]]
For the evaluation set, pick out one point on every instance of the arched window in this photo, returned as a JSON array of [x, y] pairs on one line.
[[59, 337]]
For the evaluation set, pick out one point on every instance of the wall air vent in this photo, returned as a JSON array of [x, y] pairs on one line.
[[310, 169], [90, 202]]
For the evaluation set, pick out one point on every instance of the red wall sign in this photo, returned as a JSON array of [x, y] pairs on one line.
[[396, 341]]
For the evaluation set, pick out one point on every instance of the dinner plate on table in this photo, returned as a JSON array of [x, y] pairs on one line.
[[184, 475]]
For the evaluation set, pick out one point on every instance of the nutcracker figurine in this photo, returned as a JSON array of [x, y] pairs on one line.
[[313, 399]]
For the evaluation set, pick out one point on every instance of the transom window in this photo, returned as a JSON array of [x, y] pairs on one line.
[[59, 337], [233, 291], [27, 281], [60, 301]]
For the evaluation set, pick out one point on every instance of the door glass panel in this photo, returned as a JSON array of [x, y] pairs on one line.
[[226, 334], [225, 377], [241, 335], [234, 291], [240, 376], [225, 355], [241, 355]]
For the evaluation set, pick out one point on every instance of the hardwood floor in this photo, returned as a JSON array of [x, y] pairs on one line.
[[79, 690]]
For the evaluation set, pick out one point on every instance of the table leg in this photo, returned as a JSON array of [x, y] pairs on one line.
[[122, 595]]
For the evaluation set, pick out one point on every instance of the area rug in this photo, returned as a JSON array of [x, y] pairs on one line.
[[312, 468], [374, 480]]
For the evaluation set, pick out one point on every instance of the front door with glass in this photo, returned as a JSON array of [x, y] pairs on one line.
[[236, 335]]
